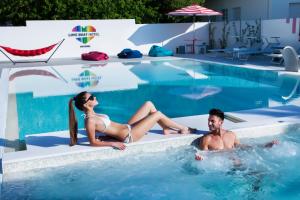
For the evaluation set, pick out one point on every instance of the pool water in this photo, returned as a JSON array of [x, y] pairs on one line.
[[177, 87], [254, 173]]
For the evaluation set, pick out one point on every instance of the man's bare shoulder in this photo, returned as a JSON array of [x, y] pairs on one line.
[[229, 133], [206, 137]]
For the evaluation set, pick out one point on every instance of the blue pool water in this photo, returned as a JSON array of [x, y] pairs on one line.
[[177, 87], [261, 174]]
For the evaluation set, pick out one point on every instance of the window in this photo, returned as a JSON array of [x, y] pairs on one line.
[[236, 13], [294, 10]]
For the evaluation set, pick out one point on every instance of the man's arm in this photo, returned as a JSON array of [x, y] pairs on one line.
[[270, 144], [203, 145], [236, 141]]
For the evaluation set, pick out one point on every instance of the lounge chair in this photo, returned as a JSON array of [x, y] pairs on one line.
[[216, 51], [245, 53], [291, 59]]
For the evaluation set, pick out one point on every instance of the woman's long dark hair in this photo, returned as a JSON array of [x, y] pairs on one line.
[[73, 124]]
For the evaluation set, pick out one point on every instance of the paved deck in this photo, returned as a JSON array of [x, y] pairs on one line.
[[254, 61]]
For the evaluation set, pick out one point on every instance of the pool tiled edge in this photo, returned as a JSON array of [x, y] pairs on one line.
[[3, 110], [22, 161]]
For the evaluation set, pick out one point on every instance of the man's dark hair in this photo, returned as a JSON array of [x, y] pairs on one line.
[[217, 112]]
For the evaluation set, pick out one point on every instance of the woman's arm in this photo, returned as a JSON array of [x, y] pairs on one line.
[[91, 132]]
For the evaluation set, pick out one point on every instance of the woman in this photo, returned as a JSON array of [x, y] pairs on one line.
[[141, 122]]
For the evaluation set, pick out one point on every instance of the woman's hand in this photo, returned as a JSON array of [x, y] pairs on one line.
[[118, 145]]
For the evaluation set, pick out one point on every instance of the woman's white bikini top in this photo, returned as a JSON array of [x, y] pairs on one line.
[[104, 118]]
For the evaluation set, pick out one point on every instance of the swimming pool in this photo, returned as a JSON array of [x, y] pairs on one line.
[[177, 87], [254, 173]]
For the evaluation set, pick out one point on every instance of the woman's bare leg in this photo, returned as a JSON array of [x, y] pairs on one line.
[[145, 124], [145, 110]]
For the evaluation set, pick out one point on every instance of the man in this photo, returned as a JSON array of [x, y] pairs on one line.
[[218, 138]]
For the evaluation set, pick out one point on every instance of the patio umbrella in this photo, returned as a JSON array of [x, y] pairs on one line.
[[194, 10]]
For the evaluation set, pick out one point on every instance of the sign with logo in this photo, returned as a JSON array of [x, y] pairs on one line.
[[86, 79], [84, 34]]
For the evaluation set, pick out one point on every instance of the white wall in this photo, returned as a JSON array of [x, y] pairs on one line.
[[255, 9], [269, 28], [111, 36], [280, 28], [250, 9], [280, 8]]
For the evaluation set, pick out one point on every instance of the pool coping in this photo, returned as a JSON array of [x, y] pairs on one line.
[[3, 109], [24, 161]]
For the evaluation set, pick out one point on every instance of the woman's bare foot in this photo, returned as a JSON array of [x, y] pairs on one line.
[[188, 130], [168, 131]]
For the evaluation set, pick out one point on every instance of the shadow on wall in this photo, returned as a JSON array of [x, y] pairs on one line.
[[163, 34], [156, 33], [200, 34]]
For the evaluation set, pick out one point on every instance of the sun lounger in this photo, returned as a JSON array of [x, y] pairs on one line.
[[245, 53], [216, 51]]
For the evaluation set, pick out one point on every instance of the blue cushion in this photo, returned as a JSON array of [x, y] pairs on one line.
[[129, 53], [157, 51]]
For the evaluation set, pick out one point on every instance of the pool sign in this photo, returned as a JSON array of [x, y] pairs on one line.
[[86, 79], [84, 34]]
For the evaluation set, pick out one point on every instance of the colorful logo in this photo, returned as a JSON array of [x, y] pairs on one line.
[[86, 79], [84, 34]]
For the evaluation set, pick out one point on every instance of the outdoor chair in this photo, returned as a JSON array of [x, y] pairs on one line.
[[291, 59], [30, 53]]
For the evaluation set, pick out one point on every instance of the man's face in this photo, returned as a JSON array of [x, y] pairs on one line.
[[214, 122]]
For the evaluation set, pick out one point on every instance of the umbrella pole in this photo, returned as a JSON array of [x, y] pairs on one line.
[[194, 19], [240, 32]]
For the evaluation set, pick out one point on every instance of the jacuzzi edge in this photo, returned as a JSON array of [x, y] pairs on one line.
[[60, 159], [103, 153]]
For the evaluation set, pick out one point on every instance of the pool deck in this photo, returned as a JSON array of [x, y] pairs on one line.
[[51, 149]]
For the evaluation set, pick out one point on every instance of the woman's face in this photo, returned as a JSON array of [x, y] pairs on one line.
[[90, 100]]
